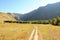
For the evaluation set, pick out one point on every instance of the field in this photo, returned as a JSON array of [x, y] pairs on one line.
[[49, 32], [10, 31], [15, 31]]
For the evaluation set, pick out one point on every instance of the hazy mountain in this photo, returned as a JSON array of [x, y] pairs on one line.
[[43, 13], [17, 16]]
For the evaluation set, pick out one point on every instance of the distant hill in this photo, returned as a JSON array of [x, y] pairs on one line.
[[6, 16], [17, 16], [43, 13]]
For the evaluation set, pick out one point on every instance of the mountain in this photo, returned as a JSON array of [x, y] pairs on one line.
[[17, 16], [6, 16], [43, 13]]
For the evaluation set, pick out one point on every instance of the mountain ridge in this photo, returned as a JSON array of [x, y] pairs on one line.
[[43, 13]]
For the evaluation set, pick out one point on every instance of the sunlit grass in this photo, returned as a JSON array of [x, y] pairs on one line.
[[15, 31], [10, 31], [50, 32]]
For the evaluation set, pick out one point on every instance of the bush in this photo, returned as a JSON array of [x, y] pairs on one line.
[[55, 21]]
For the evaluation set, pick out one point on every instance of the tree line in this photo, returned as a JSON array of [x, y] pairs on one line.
[[54, 21]]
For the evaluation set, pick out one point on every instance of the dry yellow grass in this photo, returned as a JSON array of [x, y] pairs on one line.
[[10, 31], [15, 31], [5, 16], [50, 32]]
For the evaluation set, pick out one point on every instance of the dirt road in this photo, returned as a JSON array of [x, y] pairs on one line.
[[36, 34]]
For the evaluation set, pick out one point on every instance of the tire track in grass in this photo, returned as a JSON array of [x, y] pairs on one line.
[[36, 34], [32, 35]]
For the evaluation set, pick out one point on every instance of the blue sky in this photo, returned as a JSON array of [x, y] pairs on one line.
[[23, 6]]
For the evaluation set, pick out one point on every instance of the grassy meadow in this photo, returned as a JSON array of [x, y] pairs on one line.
[[15, 31], [49, 32]]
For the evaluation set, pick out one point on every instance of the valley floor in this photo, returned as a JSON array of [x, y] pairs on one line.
[[10, 31]]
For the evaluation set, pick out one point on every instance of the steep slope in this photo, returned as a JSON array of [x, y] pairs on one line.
[[43, 13], [5, 16]]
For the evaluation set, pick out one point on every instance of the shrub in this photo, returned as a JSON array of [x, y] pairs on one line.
[[55, 21]]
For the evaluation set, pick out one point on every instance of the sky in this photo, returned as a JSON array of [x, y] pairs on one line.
[[23, 6]]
